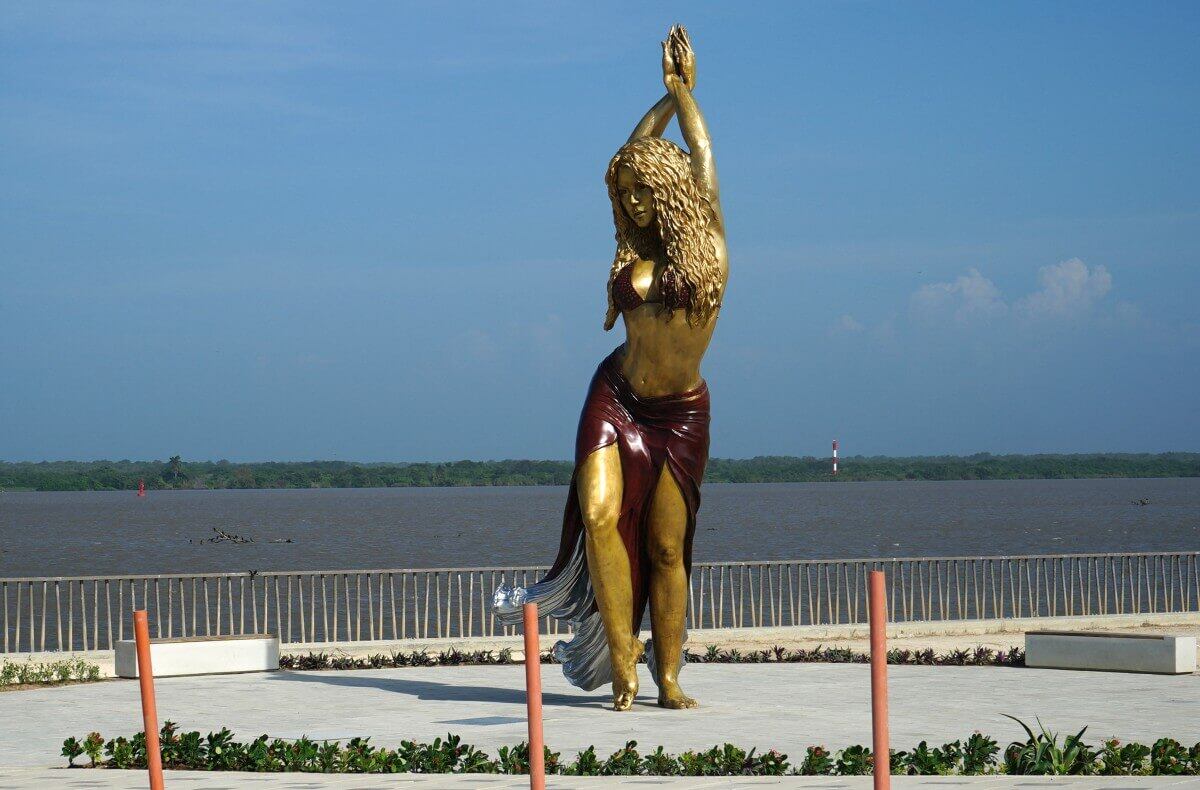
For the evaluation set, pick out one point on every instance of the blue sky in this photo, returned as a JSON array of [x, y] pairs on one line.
[[380, 231]]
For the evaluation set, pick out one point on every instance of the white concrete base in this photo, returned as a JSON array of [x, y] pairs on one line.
[[201, 655], [1111, 651]]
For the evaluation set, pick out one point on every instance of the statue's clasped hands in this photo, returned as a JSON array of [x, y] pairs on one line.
[[679, 62]]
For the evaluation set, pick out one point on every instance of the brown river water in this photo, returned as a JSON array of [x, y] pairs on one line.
[[111, 533]]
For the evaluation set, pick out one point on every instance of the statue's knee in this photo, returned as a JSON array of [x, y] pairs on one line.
[[600, 515], [665, 554]]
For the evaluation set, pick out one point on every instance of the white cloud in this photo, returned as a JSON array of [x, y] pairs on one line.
[[1068, 289], [972, 298], [848, 323]]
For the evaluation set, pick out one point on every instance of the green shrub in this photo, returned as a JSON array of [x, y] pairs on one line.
[[979, 754], [20, 673], [72, 749], [817, 762], [586, 764], [1124, 760], [623, 762], [120, 753], [1043, 752], [979, 656], [659, 763], [93, 746], [1169, 758], [854, 761]]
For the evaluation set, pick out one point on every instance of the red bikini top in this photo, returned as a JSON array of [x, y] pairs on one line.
[[674, 293]]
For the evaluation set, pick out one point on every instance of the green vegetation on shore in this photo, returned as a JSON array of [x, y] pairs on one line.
[[176, 473]]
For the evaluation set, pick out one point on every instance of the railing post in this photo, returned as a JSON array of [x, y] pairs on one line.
[[879, 694], [141, 634], [533, 693]]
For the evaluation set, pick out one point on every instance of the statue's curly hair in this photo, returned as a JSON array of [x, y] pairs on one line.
[[682, 215]]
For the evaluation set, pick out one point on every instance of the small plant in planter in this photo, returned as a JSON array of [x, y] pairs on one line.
[[168, 741], [221, 753], [71, 749], [854, 761], [623, 762], [476, 761], [93, 746], [692, 764], [1117, 759], [772, 763], [948, 757], [1042, 754], [817, 762], [120, 753], [328, 757], [979, 754], [362, 756], [1169, 758], [253, 756], [138, 743], [586, 763], [921, 761], [659, 763], [515, 760]]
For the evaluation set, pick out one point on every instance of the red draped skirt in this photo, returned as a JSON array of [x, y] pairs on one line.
[[649, 433]]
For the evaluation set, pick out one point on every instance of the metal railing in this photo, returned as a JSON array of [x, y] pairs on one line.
[[90, 613]]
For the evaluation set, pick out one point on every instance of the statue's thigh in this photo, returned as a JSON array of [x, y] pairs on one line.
[[667, 521], [600, 487]]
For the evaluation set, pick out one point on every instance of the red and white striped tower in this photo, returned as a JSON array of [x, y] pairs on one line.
[[835, 456]]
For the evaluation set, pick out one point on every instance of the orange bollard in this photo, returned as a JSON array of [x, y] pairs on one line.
[[533, 692], [141, 635], [879, 694]]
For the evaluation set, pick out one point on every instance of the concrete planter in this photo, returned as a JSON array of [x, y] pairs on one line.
[[1111, 651], [202, 655]]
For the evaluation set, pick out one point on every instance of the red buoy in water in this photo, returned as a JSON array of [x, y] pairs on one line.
[[141, 488]]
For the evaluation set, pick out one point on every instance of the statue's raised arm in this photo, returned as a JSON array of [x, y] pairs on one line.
[[679, 75]]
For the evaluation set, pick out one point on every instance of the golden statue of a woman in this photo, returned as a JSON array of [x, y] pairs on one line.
[[642, 442]]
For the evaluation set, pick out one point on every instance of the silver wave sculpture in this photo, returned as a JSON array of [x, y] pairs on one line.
[[569, 597]]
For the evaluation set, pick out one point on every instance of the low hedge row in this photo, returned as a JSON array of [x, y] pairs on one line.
[[19, 673], [1042, 753], [978, 656], [14, 673]]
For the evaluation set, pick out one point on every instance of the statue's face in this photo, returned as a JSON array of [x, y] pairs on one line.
[[636, 197]]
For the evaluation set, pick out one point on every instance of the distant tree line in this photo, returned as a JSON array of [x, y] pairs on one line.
[[177, 473]]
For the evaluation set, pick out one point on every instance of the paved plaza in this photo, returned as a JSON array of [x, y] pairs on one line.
[[782, 706]]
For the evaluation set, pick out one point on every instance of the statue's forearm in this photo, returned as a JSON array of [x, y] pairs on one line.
[[655, 121], [695, 134]]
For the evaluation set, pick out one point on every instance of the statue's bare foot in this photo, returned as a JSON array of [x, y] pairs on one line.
[[625, 679], [671, 696]]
